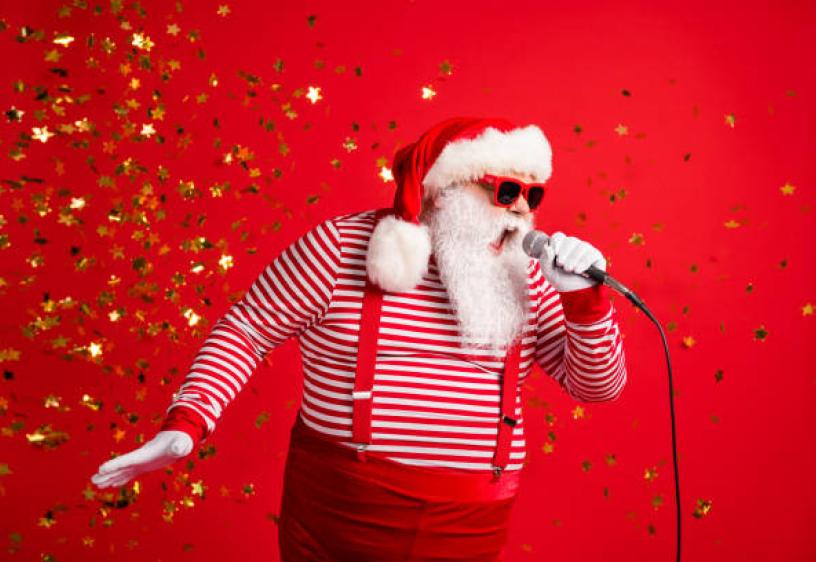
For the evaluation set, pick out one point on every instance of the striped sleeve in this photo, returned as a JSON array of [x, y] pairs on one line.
[[578, 342], [290, 294]]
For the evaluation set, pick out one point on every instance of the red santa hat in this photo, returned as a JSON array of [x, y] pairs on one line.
[[453, 152]]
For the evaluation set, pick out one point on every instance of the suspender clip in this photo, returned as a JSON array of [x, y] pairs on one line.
[[509, 421]]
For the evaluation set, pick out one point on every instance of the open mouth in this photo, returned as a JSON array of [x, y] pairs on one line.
[[498, 245]]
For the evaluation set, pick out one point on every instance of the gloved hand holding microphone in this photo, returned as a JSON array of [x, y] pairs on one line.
[[564, 259]]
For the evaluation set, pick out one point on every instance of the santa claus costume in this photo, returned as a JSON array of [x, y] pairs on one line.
[[409, 441]]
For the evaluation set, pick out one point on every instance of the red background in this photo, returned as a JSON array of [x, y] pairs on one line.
[[702, 202]]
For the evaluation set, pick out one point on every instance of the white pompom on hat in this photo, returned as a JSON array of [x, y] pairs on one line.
[[455, 151]]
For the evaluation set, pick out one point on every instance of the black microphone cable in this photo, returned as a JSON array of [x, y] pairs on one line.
[[533, 244]]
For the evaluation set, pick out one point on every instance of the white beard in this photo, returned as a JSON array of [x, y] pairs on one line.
[[488, 292]]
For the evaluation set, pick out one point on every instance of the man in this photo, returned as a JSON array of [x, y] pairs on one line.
[[416, 325]]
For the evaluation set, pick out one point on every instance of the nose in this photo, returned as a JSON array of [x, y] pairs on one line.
[[520, 207]]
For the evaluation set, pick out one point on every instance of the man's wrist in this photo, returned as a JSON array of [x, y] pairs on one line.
[[187, 420], [585, 306]]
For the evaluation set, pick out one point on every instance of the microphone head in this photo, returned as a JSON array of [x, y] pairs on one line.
[[533, 243]]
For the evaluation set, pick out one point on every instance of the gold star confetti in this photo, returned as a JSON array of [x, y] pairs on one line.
[[787, 189], [702, 508], [577, 413], [192, 317], [63, 39], [314, 94], [148, 130], [807, 309], [95, 349], [637, 239], [650, 474], [385, 174], [91, 403], [350, 144], [223, 10], [42, 134], [173, 29], [547, 448], [730, 120], [622, 130], [48, 520], [428, 92], [445, 68], [731, 223], [760, 334], [142, 41], [198, 488], [688, 342], [46, 437]]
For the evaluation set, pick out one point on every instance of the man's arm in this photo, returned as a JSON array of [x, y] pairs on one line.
[[578, 341], [289, 295]]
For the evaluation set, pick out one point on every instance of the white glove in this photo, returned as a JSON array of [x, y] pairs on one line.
[[165, 448], [574, 256]]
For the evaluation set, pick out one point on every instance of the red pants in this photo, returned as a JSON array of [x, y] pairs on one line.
[[338, 505]]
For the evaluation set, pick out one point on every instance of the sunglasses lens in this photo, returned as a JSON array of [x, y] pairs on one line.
[[508, 192], [534, 197]]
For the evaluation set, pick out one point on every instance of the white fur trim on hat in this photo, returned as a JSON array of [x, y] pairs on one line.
[[398, 254], [524, 149]]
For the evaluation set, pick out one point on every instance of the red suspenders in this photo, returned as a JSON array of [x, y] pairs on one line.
[[364, 379], [366, 359]]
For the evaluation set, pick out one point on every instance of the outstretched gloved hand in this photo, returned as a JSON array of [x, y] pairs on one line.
[[165, 448], [573, 256]]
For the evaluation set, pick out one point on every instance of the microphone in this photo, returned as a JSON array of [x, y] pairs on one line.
[[534, 243]]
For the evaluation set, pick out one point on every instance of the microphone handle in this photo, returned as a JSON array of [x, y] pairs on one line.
[[604, 278]]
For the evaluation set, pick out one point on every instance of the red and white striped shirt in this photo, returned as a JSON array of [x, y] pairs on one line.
[[433, 404]]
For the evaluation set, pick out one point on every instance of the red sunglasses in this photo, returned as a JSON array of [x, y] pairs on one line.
[[506, 190]]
